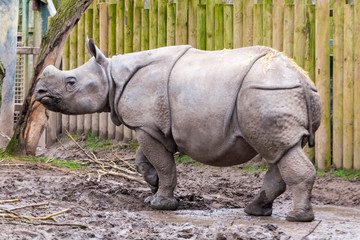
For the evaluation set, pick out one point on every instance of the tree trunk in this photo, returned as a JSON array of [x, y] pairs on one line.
[[2, 75], [32, 119]]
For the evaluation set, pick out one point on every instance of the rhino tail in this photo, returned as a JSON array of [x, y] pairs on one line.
[[304, 81]]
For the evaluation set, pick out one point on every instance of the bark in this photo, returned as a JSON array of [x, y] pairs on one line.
[[32, 119], [2, 75]]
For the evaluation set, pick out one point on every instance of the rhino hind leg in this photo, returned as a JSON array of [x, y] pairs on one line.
[[164, 164], [147, 170], [272, 187], [299, 175]]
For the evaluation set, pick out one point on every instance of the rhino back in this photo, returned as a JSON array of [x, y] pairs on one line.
[[203, 89]]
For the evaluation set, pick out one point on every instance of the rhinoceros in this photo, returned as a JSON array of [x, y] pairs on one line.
[[221, 108]]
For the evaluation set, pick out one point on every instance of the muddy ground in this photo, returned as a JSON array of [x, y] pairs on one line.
[[211, 204]]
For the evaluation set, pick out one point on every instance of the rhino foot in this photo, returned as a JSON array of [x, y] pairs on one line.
[[257, 209], [300, 216], [161, 203]]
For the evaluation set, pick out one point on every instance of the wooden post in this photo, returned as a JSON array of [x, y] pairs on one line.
[[96, 35], [210, 24], [137, 26], [73, 64], [323, 136], [181, 22], [120, 16], [162, 15], [111, 52], [89, 33], [219, 27], [248, 23], [192, 22], [299, 31], [338, 75], [228, 26], [278, 24], [357, 87], [288, 43], [201, 27], [238, 23], [128, 37], [348, 100], [153, 24], [258, 24], [66, 66], [267, 23], [104, 33], [171, 21], [80, 61], [145, 29], [309, 58]]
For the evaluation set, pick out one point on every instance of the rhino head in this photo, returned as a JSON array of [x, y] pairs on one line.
[[79, 91]]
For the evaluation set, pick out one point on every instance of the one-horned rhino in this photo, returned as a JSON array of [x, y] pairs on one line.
[[221, 108]]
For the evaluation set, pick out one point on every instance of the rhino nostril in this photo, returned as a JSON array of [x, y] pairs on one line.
[[42, 91]]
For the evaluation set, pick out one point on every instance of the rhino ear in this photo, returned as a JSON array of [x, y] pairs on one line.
[[94, 51]]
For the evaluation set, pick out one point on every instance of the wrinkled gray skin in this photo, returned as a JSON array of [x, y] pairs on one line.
[[221, 108]]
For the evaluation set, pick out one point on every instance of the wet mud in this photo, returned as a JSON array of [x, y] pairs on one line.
[[211, 206]]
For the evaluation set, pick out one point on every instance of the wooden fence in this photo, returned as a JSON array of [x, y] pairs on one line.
[[301, 29]]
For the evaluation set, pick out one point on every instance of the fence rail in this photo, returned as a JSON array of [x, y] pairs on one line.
[[299, 28]]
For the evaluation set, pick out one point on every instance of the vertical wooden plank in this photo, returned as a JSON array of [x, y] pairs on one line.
[[248, 23], [111, 52], [73, 64], [96, 35], [80, 61], [89, 33], [181, 22], [103, 39], [228, 26], [153, 24], [219, 27], [338, 74], [171, 20], [299, 31], [288, 43], [323, 135], [258, 24], [357, 86], [348, 99], [66, 66], [128, 47], [128, 37], [309, 58], [145, 29], [120, 16], [238, 23], [278, 24], [192, 22], [201, 27], [137, 25], [162, 16], [210, 24], [267, 23]]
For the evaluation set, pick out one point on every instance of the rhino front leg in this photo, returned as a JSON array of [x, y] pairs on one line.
[[164, 164], [299, 175], [272, 187], [147, 170]]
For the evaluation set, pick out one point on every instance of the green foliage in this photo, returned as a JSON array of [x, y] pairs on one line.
[[59, 163], [94, 142], [345, 174], [253, 168], [184, 159]]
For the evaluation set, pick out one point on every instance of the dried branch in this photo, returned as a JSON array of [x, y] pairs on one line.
[[10, 201], [312, 230], [50, 217], [30, 205], [101, 172]]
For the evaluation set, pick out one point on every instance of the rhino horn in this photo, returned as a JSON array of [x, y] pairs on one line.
[[95, 52]]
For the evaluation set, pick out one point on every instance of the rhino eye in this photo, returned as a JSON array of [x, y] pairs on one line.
[[70, 84]]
